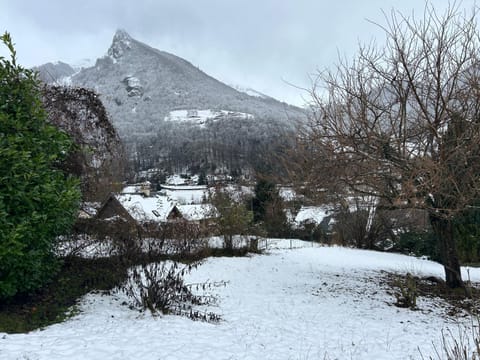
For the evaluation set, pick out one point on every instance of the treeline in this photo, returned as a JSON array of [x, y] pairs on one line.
[[228, 146]]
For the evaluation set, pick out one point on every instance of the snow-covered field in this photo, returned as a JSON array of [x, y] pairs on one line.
[[201, 117], [301, 303]]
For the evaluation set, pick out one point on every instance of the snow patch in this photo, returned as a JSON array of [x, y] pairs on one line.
[[201, 117]]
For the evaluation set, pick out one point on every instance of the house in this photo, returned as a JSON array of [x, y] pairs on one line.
[[140, 188], [142, 215], [139, 209], [150, 212], [314, 216]]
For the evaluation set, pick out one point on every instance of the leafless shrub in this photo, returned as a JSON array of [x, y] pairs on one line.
[[160, 288], [465, 345], [184, 238], [406, 293], [97, 238], [156, 275]]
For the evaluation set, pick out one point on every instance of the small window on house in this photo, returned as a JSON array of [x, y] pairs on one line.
[[156, 213]]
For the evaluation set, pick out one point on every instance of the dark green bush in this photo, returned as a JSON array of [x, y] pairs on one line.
[[421, 243], [467, 233], [38, 202]]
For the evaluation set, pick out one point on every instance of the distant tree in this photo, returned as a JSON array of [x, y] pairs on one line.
[[233, 217], [202, 178], [402, 123], [269, 208], [275, 222], [264, 193], [38, 202], [467, 233]]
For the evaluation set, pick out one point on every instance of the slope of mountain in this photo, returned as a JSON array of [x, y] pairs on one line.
[[51, 73], [251, 92], [141, 87]]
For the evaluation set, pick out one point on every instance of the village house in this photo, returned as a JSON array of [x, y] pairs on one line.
[[147, 211], [139, 208]]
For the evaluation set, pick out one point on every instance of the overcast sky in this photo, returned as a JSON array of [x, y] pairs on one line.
[[263, 44]]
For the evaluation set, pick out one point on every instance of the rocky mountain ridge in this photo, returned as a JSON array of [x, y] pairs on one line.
[[141, 86]]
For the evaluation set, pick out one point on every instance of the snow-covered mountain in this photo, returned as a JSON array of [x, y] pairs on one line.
[[143, 88], [52, 73]]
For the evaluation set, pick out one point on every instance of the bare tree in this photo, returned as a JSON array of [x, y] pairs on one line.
[[402, 122]]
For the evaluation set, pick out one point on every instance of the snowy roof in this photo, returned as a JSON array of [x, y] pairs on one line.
[[198, 212], [155, 208], [314, 214], [287, 193], [88, 209], [131, 189], [136, 188], [193, 194]]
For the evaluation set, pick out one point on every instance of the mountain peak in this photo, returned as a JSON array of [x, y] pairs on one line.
[[122, 42], [121, 34]]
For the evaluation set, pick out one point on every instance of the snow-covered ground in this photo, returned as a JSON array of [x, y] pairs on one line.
[[301, 303]]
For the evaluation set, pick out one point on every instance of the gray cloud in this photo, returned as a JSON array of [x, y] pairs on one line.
[[264, 44]]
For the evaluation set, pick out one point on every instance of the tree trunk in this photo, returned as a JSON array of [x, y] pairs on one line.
[[443, 229], [228, 242]]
